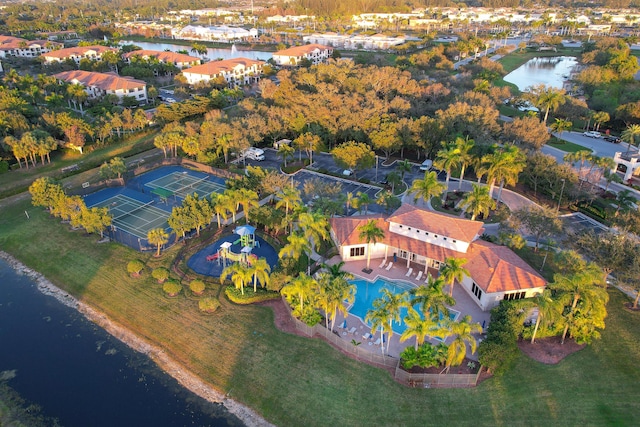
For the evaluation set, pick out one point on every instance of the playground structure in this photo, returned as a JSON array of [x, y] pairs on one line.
[[247, 242]]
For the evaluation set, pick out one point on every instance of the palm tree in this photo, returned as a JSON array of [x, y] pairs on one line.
[[218, 206], [260, 269], [630, 135], [349, 201], [463, 331], [301, 287], [363, 200], [248, 199], [452, 270], [504, 166], [240, 275], [336, 270], [334, 292], [599, 118], [392, 304], [547, 98], [403, 167], [548, 309], [158, 237], [371, 233], [228, 200], [426, 188], [286, 152], [478, 201], [447, 159], [560, 126], [296, 246], [77, 94], [315, 227], [288, 197], [464, 145], [394, 179], [418, 327], [434, 303], [584, 287], [378, 317]]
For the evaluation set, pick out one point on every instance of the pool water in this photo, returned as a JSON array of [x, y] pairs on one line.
[[367, 292]]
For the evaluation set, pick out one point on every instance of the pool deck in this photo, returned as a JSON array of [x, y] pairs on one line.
[[464, 304]]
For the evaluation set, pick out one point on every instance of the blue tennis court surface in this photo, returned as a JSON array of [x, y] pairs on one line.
[[135, 209]]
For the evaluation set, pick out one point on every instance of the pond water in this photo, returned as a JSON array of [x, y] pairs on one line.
[[212, 53], [550, 70], [79, 374]]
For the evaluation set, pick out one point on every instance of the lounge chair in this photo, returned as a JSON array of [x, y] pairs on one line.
[[389, 266], [409, 273], [367, 336], [377, 342], [384, 261], [352, 330], [419, 276]]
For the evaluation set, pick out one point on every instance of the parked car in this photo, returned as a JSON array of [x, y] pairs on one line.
[[347, 172], [592, 134], [614, 139], [426, 165]]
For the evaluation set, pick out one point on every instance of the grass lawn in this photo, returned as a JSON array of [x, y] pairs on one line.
[[566, 146], [297, 381]]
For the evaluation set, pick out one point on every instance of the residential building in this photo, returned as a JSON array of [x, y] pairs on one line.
[[424, 239], [22, 48], [236, 71], [221, 33], [315, 53], [374, 42], [77, 53], [180, 60], [100, 84]]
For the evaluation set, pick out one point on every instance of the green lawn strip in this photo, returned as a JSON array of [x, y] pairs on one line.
[[298, 381], [567, 147]]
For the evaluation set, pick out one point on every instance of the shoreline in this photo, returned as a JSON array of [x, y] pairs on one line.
[[160, 357]]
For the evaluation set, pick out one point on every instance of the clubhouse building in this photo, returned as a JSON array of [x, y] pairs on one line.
[[421, 240]]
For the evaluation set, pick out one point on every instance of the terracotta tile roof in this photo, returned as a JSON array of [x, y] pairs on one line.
[[346, 232], [346, 229], [214, 68], [162, 55], [79, 51], [9, 42], [301, 50], [497, 268], [104, 81], [437, 223]]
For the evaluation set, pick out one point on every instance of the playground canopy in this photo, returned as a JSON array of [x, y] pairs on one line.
[[244, 230]]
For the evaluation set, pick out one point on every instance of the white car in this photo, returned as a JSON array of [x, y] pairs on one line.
[[426, 165], [592, 134], [347, 172]]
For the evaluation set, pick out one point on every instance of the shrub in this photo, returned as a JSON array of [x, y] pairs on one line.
[[134, 267], [172, 287], [4, 166], [500, 350], [197, 286], [160, 274], [208, 305], [426, 356], [249, 296]]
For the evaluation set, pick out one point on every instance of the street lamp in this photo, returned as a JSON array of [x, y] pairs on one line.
[[564, 181]]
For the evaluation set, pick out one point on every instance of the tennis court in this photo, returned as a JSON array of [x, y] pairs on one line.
[[133, 216], [182, 184]]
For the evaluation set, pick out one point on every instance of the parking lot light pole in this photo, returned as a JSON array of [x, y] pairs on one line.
[[376, 168], [564, 181]]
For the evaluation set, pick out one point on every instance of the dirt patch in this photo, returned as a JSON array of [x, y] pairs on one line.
[[282, 319], [629, 306], [549, 350]]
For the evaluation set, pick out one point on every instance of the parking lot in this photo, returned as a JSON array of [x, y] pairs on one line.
[[580, 223]]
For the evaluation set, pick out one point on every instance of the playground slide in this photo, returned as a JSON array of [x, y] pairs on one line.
[[212, 257]]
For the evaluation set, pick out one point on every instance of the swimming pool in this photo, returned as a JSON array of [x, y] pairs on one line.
[[367, 292]]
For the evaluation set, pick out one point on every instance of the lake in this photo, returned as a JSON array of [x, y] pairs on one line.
[[550, 70], [79, 374], [212, 53]]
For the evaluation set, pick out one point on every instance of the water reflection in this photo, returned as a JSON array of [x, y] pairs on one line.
[[551, 71], [212, 53]]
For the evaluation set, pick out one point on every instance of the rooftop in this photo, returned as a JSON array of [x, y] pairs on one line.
[[216, 67], [104, 81]]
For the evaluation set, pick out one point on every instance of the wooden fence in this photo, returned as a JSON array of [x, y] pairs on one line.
[[361, 353]]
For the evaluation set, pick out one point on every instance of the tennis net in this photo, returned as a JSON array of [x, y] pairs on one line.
[[189, 188]]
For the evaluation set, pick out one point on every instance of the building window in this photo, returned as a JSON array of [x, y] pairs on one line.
[[418, 231], [400, 226], [409, 228], [477, 291], [514, 296], [444, 238], [357, 251], [454, 241]]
